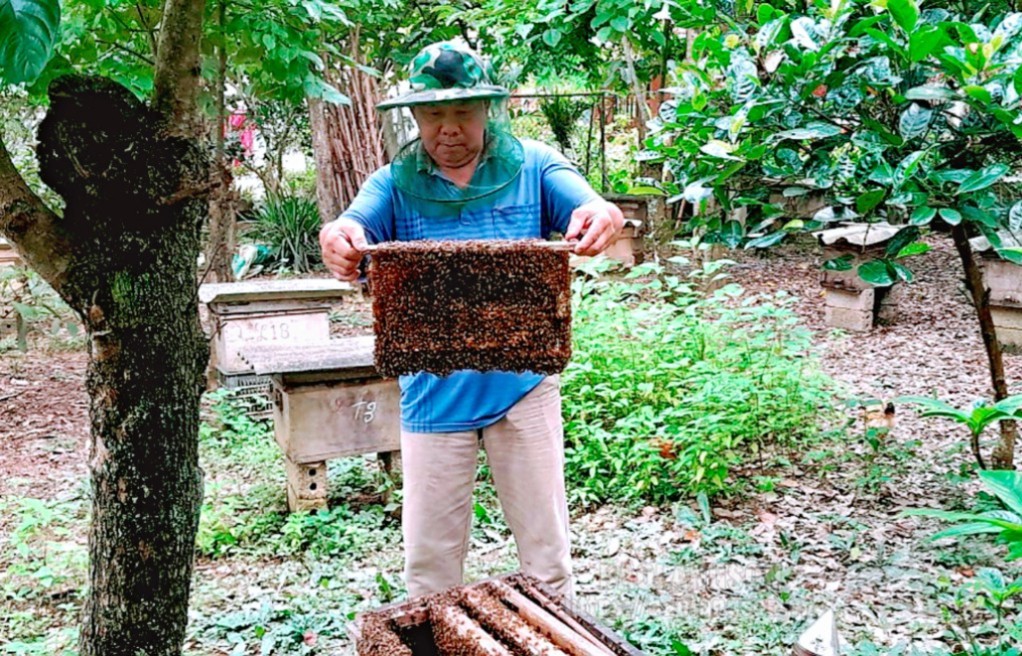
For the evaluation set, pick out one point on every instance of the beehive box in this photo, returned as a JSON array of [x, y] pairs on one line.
[[441, 306], [511, 615]]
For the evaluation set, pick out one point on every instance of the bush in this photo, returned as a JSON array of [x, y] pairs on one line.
[[669, 391], [289, 225]]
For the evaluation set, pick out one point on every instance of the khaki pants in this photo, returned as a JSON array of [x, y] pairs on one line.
[[525, 453]]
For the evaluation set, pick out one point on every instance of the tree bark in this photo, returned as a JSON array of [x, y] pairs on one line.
[[220, 240], [348, 142], [1003, 454]]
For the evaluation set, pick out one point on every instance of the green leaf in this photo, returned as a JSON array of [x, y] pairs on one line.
[[918, 248], [902, 271], [977, 92], [620, 23], [731, 233], [935, 408], [868, 200], [1015, 216], [552, 37], [842, 263], [951, 216], [930, 92], [922, 42], [878, 273], [983, 178], [1007, 485], [914, 121], [901, 239], [766, 240], [922, 215], [905, 13], [907, 167], [29, 29], [808, 133], [1013, 254], [1017, 81]]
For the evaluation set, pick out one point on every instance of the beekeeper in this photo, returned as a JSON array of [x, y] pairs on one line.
[[467, 177]]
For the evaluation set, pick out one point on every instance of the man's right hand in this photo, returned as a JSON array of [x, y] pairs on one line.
[[343, 243]]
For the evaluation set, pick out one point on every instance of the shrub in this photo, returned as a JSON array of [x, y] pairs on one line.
[[669, 391], [289, 225]]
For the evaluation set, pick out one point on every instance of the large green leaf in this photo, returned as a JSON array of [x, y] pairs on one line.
[[868, 200], [878, 272], [983, 178], [950, 215], [935, 408], [901, 239], [1007, 485], [905, 13], [28, 31], [914, 121], [922, 215]]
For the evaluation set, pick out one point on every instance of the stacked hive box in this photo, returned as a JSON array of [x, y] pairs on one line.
[[1004, 280], [852, 303]]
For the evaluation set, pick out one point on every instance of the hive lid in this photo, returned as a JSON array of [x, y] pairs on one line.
[[351, 357], [274, 290], [858, 234]]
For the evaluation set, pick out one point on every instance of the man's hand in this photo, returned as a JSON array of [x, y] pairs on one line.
[[598, 223], [343, 243]]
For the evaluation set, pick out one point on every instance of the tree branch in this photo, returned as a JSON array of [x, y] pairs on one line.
[[148, 29], [31, 226], [128, 50], [176, 86]]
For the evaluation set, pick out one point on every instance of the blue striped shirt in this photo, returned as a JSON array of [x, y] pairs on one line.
[[540, 201]]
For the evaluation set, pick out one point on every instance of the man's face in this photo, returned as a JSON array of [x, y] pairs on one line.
[[453, 133]]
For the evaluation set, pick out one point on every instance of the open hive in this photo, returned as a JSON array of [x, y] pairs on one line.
[[508, 616], [441, 306]]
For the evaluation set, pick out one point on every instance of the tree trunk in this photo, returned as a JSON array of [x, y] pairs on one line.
[[348, 142], [135, 180], [223, 199], [1004, 454], [126, 248]]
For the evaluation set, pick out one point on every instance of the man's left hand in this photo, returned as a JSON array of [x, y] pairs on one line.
[[597, 223]]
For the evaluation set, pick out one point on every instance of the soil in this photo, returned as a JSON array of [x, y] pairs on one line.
[[817, 537]]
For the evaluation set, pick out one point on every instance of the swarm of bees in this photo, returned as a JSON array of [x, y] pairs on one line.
[[443, 306]]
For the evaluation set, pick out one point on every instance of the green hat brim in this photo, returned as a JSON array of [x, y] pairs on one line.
[[440, 96]]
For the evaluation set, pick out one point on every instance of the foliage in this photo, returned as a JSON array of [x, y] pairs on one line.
[[562, 114], [28, 31], [254, 520], [289, 225], [981, 416], [33, 303], [668, 392], [1006, 523], [893, 112]]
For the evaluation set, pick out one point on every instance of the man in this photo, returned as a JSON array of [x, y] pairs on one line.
[[467, 177]]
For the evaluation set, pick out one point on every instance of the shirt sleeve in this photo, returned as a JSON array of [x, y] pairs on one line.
[[373, 207], [564, 190]]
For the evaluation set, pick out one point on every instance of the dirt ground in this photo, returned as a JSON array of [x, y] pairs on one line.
[[819, 538]]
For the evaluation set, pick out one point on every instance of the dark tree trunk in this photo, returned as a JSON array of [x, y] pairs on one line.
[[135, 201], [1004, 454]]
